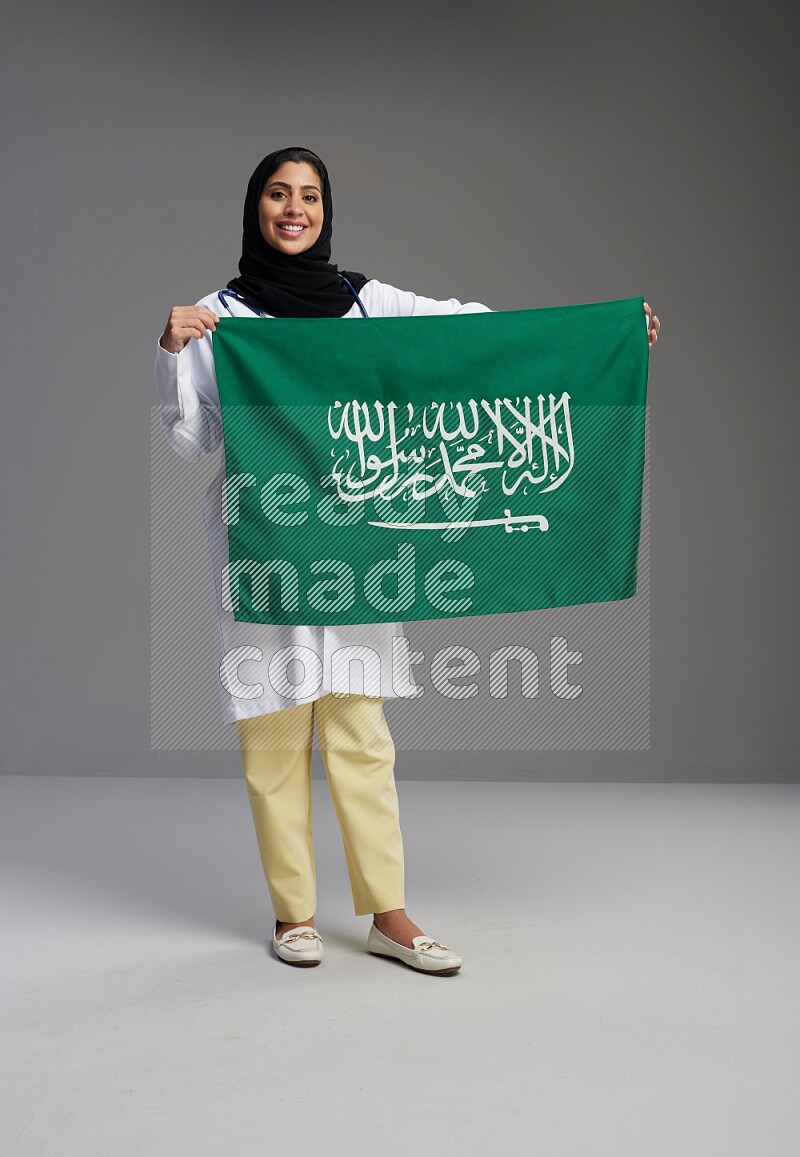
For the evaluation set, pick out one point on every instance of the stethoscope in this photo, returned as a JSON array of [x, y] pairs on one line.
[[223, 293]]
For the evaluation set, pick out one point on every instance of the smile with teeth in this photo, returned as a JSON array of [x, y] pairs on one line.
[[295, 229]]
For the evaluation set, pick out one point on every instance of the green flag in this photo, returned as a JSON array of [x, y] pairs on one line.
[[405, 468]]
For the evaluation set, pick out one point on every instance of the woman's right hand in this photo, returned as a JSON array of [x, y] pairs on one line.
[[185, 322]]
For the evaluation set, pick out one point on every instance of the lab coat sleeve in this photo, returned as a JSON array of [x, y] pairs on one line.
[[403, 303], [187, 386]]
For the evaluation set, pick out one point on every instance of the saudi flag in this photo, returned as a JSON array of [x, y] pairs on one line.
[[405, 468]]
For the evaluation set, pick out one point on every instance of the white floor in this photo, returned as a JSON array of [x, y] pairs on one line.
[[630, 980]]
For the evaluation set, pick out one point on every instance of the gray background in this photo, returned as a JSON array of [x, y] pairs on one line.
[[520, 155]]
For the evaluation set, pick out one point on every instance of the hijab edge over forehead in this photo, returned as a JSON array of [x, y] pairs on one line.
[[306, 284]]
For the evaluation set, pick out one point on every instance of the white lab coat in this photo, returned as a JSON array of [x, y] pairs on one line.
[[263, 667]]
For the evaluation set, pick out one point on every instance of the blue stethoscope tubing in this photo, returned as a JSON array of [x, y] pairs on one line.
[[223, 293]]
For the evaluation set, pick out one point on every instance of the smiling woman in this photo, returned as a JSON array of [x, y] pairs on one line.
[[285, 271], [290, 210], [285, 268]]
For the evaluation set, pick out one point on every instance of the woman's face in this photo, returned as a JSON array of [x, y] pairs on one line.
[[290, 209]]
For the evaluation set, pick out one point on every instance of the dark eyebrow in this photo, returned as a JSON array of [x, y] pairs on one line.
[[286, 185]]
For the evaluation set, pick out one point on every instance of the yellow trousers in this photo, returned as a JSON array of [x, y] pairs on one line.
[[358, 753]]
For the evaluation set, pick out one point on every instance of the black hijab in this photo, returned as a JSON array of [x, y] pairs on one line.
[[285, 285]]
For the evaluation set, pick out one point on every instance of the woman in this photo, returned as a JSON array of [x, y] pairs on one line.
[[285, 271]]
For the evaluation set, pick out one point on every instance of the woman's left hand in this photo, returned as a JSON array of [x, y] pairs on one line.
[[655, 326]]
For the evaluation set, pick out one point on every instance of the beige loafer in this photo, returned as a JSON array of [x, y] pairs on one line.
[[301, 945], [427, 955]]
